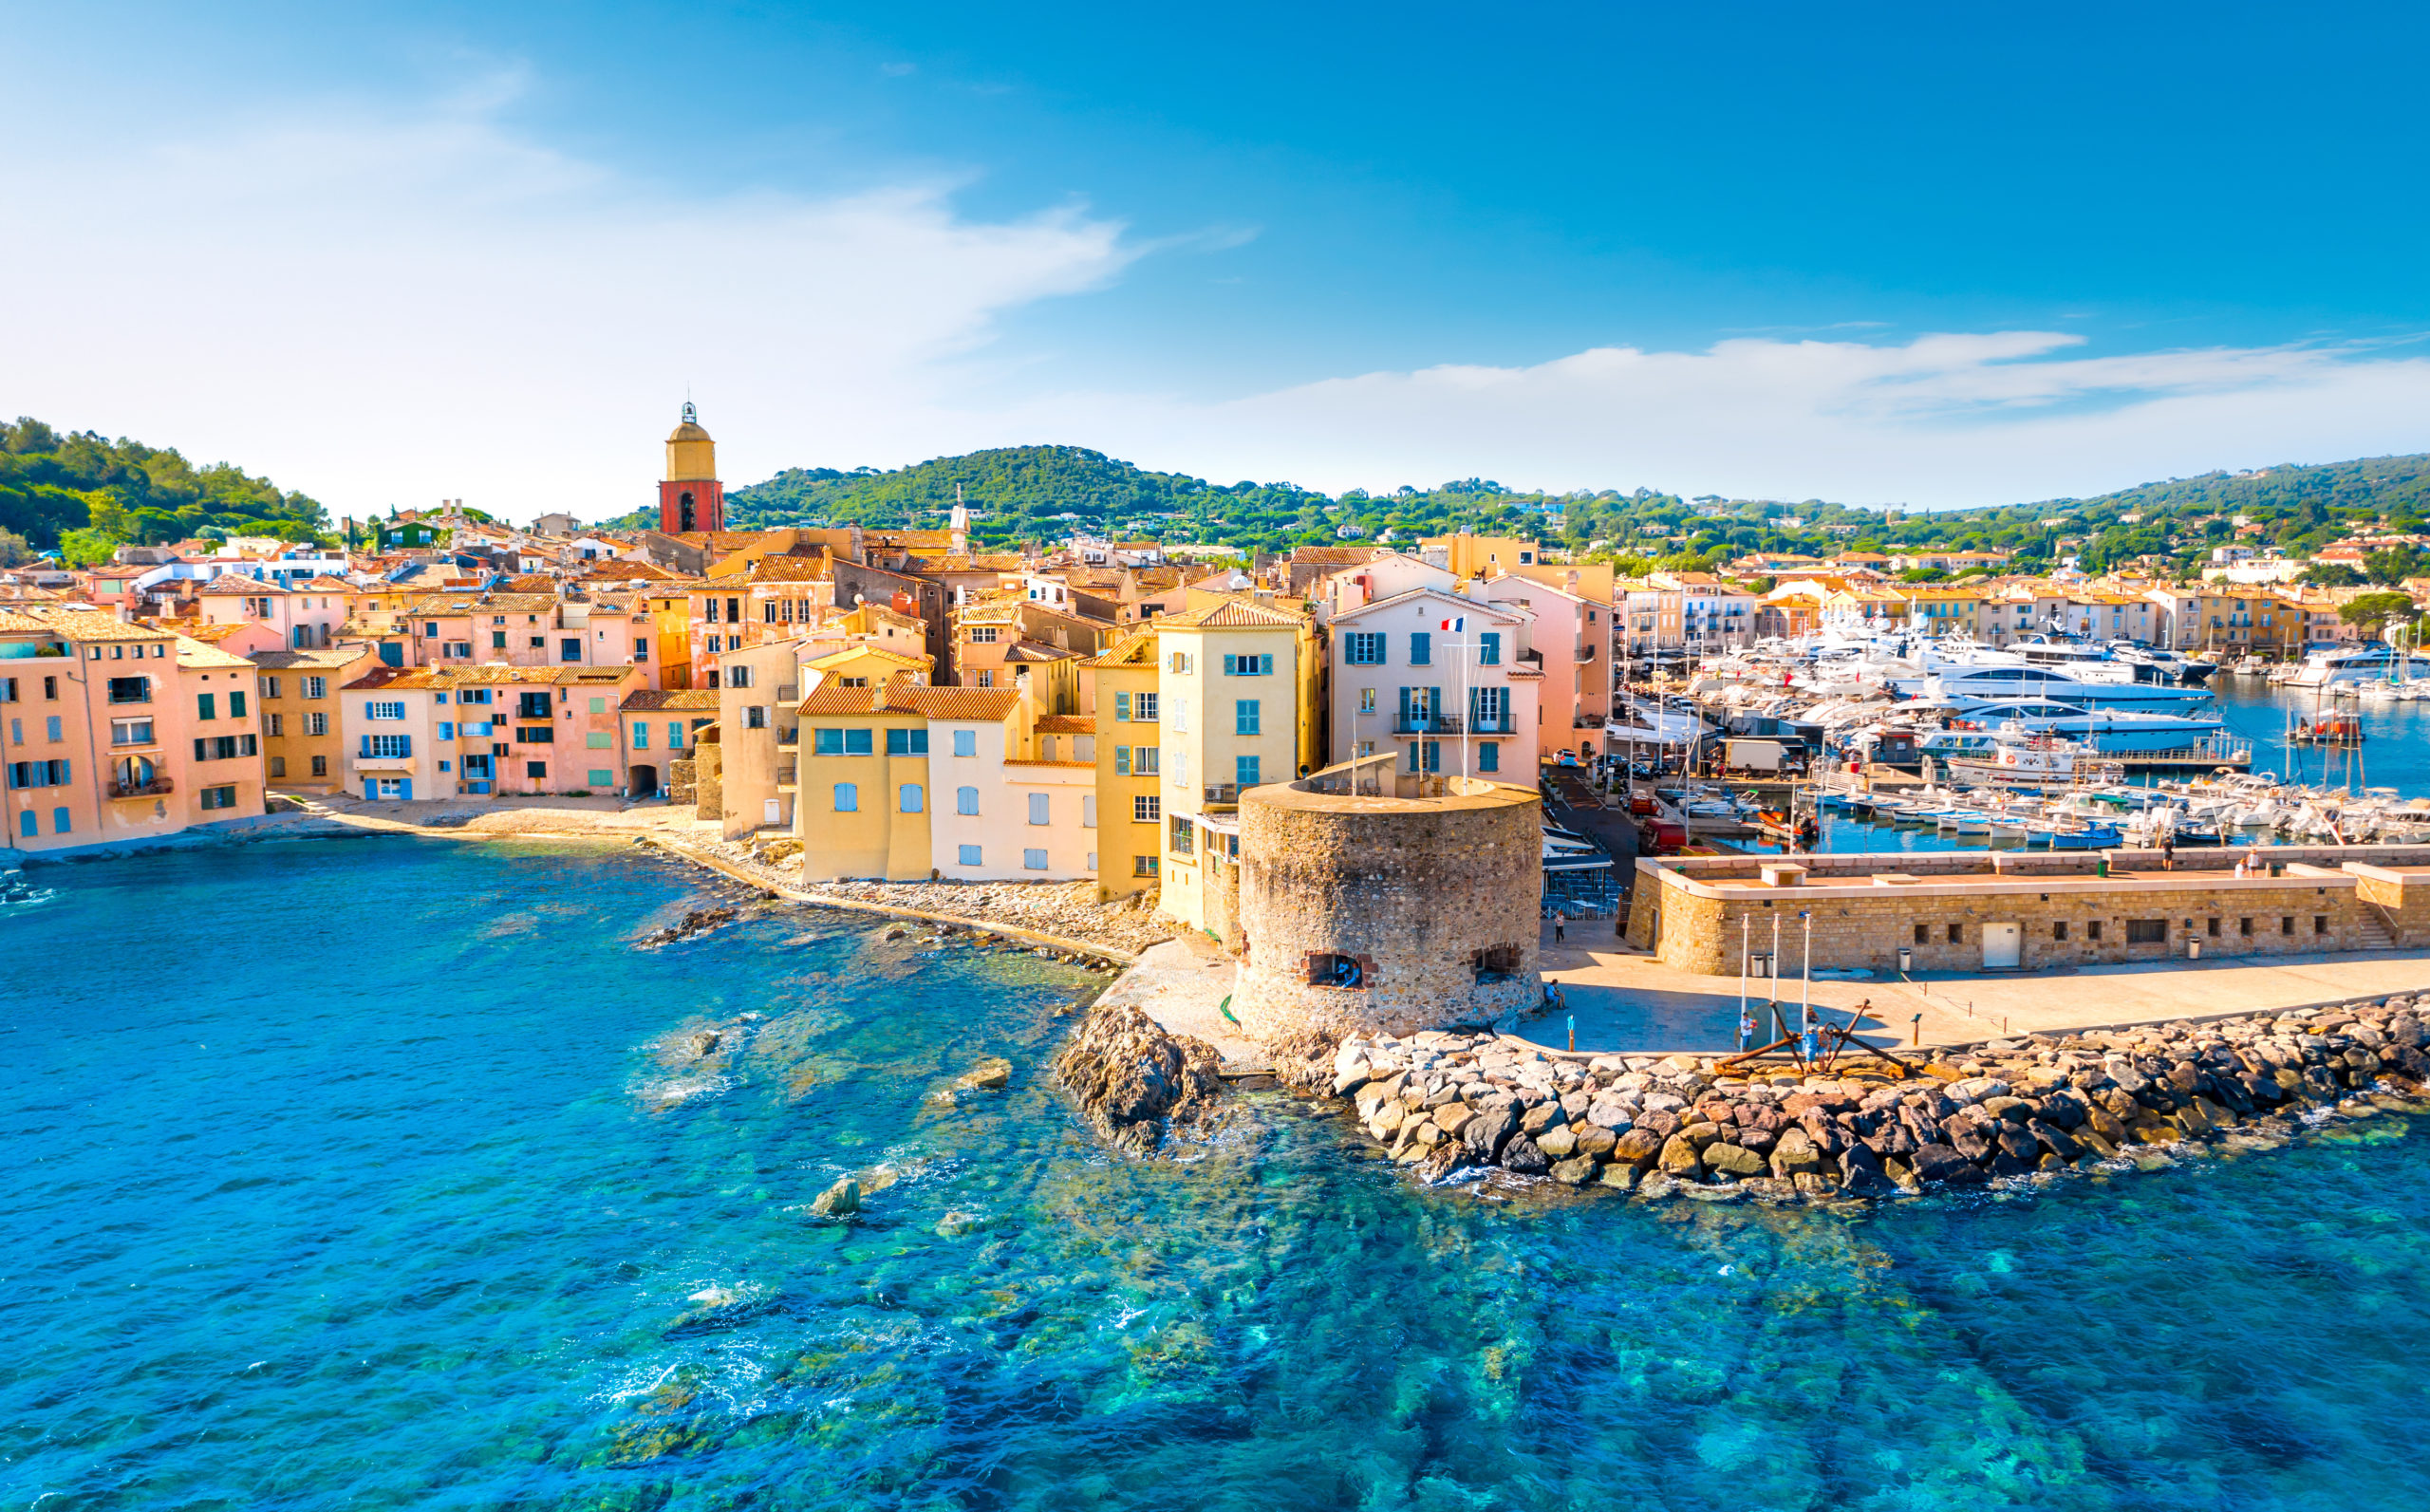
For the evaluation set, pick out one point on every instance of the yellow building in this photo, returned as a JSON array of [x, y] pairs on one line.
[[1123, 686], [862, 808], [1238, 690], [303, 748], [1467, 557], [671, 613], [1943, 610]]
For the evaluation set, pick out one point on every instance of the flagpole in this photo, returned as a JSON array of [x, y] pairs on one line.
[[1466, 715]]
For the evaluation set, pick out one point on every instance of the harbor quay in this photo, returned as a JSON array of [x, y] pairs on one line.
[[2019, 911]]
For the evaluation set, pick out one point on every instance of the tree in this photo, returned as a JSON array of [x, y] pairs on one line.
[[82, 547], [2372, 611], [2330, 575], [2392, 566]]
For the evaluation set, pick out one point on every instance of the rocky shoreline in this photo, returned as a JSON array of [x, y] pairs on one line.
[[1447, 1104]]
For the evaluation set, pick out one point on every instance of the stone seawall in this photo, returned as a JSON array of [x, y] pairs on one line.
[[1688, 1127], [1958, 922]]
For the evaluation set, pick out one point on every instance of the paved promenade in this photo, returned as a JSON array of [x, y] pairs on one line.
[[1623, 1001]]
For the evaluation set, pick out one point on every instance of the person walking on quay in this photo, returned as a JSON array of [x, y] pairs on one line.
[[1561, 921], [1745, 1029]]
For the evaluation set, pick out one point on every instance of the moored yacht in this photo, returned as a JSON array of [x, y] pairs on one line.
[[2109, 731], [2375, 661], [1967, 688]]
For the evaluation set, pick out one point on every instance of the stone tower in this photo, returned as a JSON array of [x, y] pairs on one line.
[[691, 498]]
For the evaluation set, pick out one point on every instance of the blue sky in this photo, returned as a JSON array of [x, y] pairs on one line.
[[1925, 255]]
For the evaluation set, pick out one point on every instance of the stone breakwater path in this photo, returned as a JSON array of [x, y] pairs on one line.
[[1685, 1125]]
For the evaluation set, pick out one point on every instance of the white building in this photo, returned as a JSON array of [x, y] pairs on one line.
[[1399, 668]]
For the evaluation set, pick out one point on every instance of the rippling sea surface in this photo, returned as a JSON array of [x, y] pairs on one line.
[[363, 1174]]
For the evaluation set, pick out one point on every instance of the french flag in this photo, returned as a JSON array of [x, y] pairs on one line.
[[1456, 623]]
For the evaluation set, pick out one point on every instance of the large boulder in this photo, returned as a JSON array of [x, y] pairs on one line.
[[1737, 1162], [1638, 1148], [1593, 1139], [1489, 1130], [1795, 1152], [1136, 1083], [1521, 1155], [1940, 1166], [1559, 1144], [1576, 1172], [1681, 1158]]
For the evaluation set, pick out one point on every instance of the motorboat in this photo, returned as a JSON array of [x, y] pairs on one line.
[[2018, 759], [2167, 665], [2109, 731], [1972, 687], [2375, 661]]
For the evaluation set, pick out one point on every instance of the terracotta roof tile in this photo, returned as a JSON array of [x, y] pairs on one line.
[[327, 656], [645, 700], [93, 624], [1234, 614], [1067, 724], [955, 703]]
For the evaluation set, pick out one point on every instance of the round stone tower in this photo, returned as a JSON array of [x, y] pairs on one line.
[[1372, 900]]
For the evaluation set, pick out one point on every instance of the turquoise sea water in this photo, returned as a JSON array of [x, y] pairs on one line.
[[363, 1175]]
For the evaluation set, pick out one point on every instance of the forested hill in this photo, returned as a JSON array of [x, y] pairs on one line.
[[88, 496], [1017, 488], [1043, 492]]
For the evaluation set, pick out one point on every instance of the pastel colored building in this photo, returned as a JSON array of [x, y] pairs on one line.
[[1460, 701], [1121, 684], [117, 731], [303, 734]]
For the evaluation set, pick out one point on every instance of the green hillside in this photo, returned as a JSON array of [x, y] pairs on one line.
[[88, 495], [1024, 492]]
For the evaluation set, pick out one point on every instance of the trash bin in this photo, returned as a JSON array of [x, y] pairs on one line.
[[2194, 950], [2100, 867]]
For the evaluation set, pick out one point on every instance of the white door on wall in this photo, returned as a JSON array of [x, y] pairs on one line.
[[2003, 944], [774, 811]]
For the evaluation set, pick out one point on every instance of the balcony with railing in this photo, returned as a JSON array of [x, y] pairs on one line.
[[1423, 723], [149, 787], [1586, 652]]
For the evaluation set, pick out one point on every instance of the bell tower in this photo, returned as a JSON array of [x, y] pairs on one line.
[[690, 498]]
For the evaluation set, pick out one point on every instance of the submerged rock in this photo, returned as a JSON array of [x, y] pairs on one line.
[[990, 1074], [1136, 1083], [695, 921], [840, 1201]]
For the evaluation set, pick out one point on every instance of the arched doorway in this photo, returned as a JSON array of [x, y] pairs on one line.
[[644, 782], [689, 517]]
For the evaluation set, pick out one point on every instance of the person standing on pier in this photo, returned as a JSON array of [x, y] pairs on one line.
[[1561, 921], [2168, 853]]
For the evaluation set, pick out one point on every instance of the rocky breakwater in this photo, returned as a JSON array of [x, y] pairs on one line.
[[1689, 1127]]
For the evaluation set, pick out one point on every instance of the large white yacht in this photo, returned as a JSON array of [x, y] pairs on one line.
[[2374, 662], [2110, 732], [2099, 685]]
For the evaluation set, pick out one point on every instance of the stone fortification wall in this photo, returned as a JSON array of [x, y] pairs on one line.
[[1941, 921], [1434, 899]]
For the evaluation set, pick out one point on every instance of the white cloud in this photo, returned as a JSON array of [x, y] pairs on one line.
[[396, 308], [1943, 420]]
